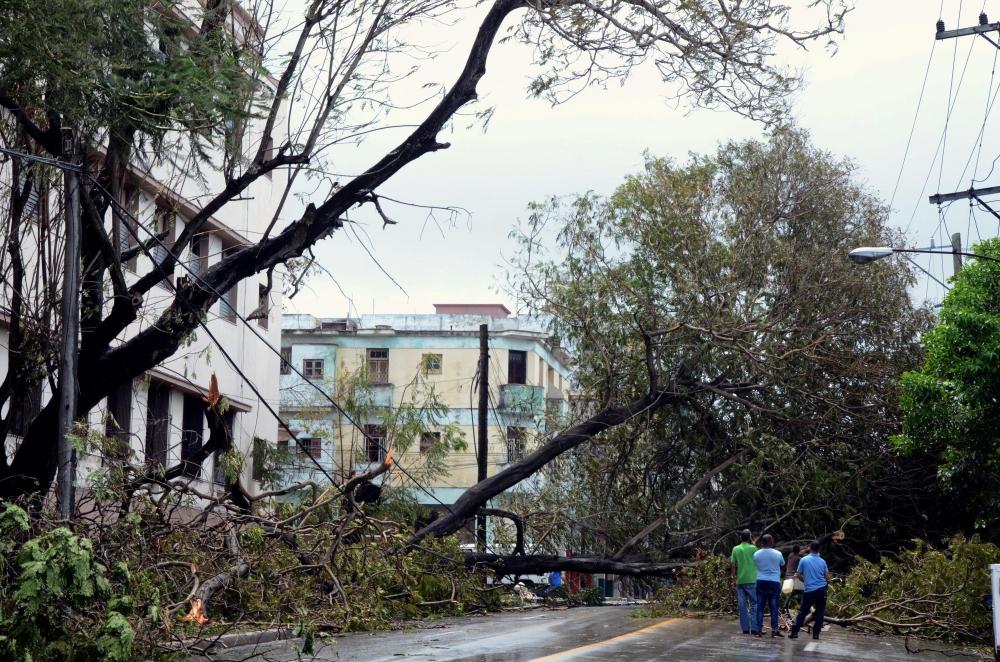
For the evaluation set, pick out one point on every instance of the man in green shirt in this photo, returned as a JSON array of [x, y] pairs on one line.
[[745, 578]]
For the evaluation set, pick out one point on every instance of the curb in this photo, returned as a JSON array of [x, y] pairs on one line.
[[201, 646]]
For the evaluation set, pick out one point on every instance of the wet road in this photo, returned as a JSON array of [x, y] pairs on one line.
[[596, 633]]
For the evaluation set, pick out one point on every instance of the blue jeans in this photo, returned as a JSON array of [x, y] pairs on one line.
[[768, 594], [746, 596]]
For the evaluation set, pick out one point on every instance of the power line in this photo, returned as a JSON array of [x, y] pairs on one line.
[[941, 139], [204, 325], [336, 405], [913, 125]]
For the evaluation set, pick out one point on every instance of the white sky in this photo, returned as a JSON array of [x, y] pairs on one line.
[[859, 103]]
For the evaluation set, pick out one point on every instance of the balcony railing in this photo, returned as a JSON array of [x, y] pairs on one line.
[[522, 398]]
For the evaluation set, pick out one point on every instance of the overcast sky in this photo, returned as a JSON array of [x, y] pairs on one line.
[[859, 102]]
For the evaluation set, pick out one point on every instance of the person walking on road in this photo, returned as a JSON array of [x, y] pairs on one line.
[[768, 561], [745, 578], [815, 576]]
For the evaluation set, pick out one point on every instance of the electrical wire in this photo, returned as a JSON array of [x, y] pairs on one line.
[[913, 125], [199, 279], [941, 139]]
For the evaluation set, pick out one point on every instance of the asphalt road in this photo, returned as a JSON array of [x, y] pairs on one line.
[[595, 633]]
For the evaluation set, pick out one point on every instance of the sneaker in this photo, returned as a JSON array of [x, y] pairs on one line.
[[775, 633], [794, 633], [746, 632], [758, 634]]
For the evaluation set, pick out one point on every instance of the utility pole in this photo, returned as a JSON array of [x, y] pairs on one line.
[[70, 330], [483, 440], [983, 30], [956, 253]]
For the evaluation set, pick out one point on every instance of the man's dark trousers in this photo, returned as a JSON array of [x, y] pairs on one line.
[[811, 599]]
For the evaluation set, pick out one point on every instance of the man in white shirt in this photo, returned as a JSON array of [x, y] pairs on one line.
[[769, 562]]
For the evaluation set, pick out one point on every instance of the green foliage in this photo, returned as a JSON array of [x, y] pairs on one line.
[[950, 406], [705, 588], [933, 593], [735, 265], [56, 600], [129, 68]]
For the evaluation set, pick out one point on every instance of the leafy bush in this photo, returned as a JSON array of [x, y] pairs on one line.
[[927, 592], [56, 596]]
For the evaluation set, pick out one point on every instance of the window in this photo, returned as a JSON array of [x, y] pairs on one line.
[[515, 444], [375, 443], [124, 226], [199, 255], [378, 366], [163, 226], [431, 364], [157, 424], [263, 306], [24, 412], [219, 475], [313, 368], [286, 360], [517, 364], [118, 420], [310, 446], [551, 377], [230, 298], [259, 457], [229, 302], [429, 440], [193, 426]]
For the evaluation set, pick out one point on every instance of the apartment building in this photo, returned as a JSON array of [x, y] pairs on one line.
[[401, 358], [160, 415]]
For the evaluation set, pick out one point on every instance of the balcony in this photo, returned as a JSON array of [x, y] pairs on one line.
[[522, 398], [378, 395]]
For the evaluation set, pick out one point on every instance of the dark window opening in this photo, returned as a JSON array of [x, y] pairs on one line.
[[199, 255], [515, 444], [23, 412], [310, 446], [378, 366], [118, 420], [259, 457], [286, 360], [517, 367], [313, 368], [193, 427], [375, 443], [428, 440], [219, 475], [157, 424]]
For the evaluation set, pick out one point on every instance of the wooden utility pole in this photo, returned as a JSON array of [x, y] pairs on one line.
[[70, 330], [483, 440], [956, 252]]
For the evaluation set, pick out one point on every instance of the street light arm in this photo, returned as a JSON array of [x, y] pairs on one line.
[[922, 250]]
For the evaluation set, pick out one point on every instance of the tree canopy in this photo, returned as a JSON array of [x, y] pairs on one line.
[[724, 280], [950, 407]]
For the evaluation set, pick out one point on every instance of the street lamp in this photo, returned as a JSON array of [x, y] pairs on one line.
[[867, 254]]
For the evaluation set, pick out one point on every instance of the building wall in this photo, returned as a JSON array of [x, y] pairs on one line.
[[411, 337]]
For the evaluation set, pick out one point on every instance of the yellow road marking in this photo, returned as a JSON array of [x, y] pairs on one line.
[[599, 644]]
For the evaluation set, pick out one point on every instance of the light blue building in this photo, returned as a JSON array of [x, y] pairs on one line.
[[416, 367]]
